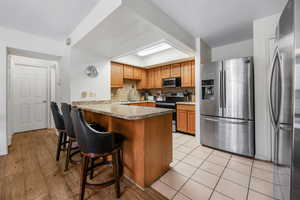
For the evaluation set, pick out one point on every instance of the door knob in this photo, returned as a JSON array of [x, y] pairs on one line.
[[45, 101]]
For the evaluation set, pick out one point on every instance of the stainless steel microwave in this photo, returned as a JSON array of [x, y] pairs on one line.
[[171, 82]]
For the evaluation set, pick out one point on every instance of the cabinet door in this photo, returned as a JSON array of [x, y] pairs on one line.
[[166, 71], [116, 75], [193, 74], [191, 122], [186, 74], [181, 120], [175, 70], [157, 79], [150, 104], [137, 73], [142, 84], [149, 79], [128, 72]]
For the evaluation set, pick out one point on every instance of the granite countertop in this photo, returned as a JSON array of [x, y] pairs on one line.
[[186, 103], [127, 112], [131, 102]]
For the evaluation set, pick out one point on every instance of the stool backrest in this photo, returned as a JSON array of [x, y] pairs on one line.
[[66, 110], [57, 116], [89, 139]]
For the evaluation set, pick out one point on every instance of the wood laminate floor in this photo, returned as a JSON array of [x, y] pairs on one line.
[[30, 172]]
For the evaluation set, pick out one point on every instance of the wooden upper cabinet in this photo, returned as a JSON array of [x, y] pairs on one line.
[[166, 71], [175, 70], [186, 74], [142, 84], [116, 75], [151, 78], [128, 72], [137, 73], [193, 74], [157, 79]]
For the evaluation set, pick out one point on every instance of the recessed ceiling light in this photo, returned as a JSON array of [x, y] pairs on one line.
[[154, 49]]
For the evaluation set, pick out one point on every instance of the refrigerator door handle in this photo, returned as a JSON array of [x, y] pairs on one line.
[[221, 89], [224, 89], [233, 121], [271, 108]]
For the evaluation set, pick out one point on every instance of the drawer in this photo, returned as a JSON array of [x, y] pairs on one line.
[[185, 107]]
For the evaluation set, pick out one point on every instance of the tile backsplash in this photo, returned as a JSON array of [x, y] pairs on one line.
[[127, 93]]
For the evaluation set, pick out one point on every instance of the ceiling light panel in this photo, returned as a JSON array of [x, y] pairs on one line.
[[154, 49]]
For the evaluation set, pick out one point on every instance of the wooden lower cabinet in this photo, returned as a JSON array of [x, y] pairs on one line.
[[147, 149], [186, 119], [181, 120], [191, 125], [146, 104]]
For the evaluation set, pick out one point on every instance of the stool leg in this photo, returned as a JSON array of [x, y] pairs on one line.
[[68, 154], [84, 169], [92, 169], [64, 140], [116, 169], [121, 166], [60, 138]]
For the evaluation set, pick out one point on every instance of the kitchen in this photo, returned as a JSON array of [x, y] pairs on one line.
[[189, 115]]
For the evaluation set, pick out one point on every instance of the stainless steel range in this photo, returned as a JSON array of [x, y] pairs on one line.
[[227, 108], [170, 102]]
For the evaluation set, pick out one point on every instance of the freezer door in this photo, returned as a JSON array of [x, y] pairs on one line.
[[282, 162], [236, 136], [283, 145], [238, 88], [211, 94]]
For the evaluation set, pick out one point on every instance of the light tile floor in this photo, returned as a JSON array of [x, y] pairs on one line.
[[202, 173]]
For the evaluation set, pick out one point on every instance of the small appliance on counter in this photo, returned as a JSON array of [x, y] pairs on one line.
[[150, 98]]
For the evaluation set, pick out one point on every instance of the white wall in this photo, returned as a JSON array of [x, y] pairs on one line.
[[234, 50], [264, 42], [19, 40], [99, 86]]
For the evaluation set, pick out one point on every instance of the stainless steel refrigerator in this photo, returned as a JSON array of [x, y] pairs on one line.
[[226, 106], [284, 105]]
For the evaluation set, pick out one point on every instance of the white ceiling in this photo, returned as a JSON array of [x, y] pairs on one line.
[[219, 22], [120, 34], [55, 19]]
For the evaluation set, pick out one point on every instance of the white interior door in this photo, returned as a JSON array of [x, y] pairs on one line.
[[30, 98]]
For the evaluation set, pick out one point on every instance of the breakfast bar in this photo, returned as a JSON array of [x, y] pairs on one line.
[[147, 150]]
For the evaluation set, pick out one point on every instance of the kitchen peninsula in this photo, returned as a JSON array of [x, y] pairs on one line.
[[148, 132]]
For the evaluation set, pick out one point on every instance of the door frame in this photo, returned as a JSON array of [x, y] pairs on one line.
[[51, 83]]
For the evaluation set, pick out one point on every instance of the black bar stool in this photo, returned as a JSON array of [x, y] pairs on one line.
[[66, 110], [94, 145], [60, 127]]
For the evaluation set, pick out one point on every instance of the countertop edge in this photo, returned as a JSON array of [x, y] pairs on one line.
[[126, 117], [186, 103]]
